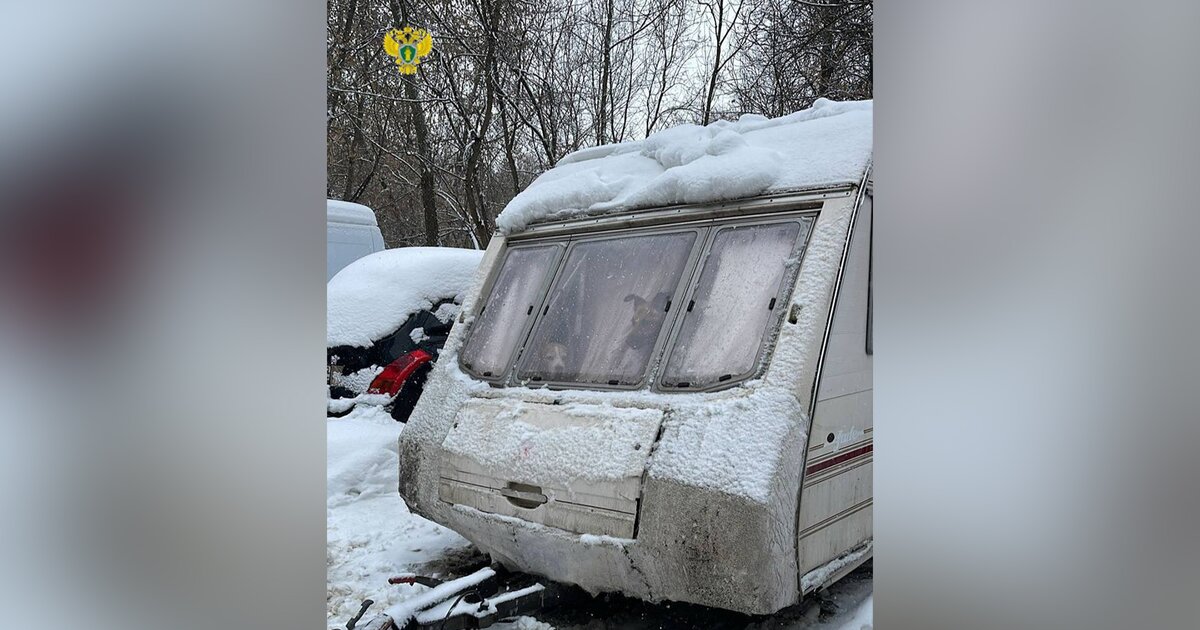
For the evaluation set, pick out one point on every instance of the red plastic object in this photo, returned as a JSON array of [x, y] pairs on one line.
[[392, 378]]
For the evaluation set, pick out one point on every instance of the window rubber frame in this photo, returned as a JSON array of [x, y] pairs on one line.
[[809, 210], [694, 256], [502, 378], [770, 338]]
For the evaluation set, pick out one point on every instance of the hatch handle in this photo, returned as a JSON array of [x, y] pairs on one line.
[[524, 495]]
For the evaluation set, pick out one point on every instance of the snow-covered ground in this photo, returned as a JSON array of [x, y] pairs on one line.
[[372, 536]]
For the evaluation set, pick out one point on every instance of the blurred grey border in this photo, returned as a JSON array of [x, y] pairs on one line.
[[1034, 407], [163, 439], [1035, 350]]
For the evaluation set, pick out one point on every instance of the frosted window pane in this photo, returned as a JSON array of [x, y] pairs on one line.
[[607, 310], [497, 330], [723, 332]]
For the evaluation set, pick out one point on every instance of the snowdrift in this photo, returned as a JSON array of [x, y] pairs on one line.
[[375, 294]]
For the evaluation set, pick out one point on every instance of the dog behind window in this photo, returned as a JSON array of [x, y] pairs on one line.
[[645, 321], [554, 357]]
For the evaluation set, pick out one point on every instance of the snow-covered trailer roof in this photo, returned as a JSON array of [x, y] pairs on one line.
[[347, 212], [828, 144]]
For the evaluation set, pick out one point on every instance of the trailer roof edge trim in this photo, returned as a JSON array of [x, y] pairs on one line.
[[784, 202]]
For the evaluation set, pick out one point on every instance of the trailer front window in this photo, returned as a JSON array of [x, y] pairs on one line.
[[604, 315], [735, 303], [514, 296]]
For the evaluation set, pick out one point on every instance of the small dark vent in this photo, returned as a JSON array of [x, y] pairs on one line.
[[725, 377], [771, 306]]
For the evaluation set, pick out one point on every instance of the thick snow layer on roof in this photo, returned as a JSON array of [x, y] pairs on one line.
[[347, 212], [374, 295], [827, 144]]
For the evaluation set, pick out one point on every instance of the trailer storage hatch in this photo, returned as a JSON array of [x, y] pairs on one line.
[[577, 468]]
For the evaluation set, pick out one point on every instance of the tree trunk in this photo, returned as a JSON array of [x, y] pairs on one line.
[[428, 194], [421, 129], [605, 74], [717, 11], [476, 200], [356, 140], [510, 148], [825, 59]]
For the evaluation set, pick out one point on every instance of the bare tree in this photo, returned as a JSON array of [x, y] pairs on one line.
[[724, 19], [512, 86], [400, 12], [797, 52]]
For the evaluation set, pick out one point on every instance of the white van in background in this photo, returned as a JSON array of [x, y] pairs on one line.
[[353, 232]]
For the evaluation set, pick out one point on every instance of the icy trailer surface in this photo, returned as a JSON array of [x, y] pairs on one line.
[[825, 145], [374, 295]]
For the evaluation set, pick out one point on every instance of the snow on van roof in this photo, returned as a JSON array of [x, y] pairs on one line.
[[374, 295], [347, 212], [825, 145]]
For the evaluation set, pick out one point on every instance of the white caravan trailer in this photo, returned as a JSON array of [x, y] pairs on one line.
[[661, 382]]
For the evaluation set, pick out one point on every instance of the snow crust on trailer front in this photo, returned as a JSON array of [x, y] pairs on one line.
[[374, 295], [716, 478], [700, 447], [575, 452], [825, 145]]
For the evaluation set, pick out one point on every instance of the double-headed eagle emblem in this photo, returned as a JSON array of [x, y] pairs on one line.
[[409, 46]]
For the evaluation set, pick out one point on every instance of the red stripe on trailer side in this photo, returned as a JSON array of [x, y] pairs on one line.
[[839, 459]]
